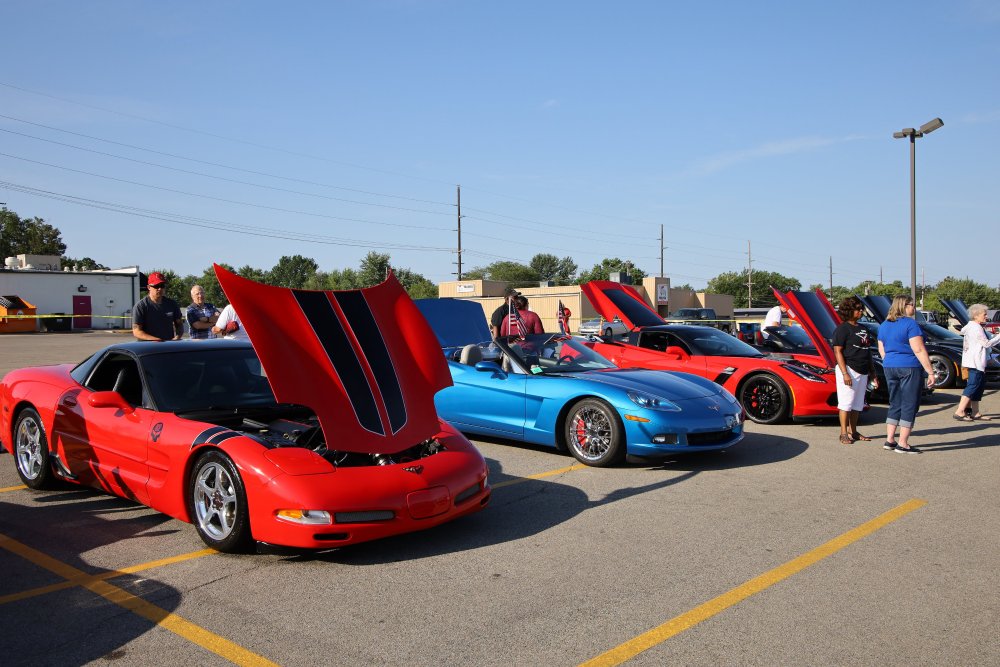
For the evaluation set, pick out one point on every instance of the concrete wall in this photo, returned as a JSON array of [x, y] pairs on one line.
[[112, 294]]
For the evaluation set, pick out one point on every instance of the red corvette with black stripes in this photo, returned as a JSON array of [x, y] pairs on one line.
[[770, 390], [322, 433]]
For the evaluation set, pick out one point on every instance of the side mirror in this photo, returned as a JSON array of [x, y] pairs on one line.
[[488, 366], [109, 399], [676, 351]]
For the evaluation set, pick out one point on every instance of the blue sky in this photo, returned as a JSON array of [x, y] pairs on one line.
[[177, 134]]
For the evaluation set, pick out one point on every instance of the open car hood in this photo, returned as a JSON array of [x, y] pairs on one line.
[[365, 361], [817, 317], [876, 306], [957, 309], [612, 300], [456, 322]]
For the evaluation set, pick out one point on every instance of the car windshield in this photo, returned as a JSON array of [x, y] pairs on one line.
[[201, 380], [792, 338], [714, 343], [547, 354], [939, 333]]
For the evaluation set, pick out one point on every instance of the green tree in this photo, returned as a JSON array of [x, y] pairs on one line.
[[609, 265], [292, 271], [175, 286], [967, 290], [251, 273], [515, 273], [24, 236], [550, 267], [735, 284]]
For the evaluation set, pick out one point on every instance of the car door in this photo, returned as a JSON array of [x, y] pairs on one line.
[[107, 446], [488, 402]]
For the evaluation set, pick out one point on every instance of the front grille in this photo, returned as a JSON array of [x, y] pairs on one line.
[[468, 493], [712, 438]]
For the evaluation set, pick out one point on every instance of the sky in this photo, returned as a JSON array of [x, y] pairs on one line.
[[175, 135]]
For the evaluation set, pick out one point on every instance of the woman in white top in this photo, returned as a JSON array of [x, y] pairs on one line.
[[974, 359]]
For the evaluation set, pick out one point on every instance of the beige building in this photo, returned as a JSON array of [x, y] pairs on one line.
[[544, 300]]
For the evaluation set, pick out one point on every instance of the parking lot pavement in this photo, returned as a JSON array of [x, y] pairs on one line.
[[700, 558]]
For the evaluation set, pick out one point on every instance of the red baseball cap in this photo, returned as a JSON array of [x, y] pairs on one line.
[[155, 278]]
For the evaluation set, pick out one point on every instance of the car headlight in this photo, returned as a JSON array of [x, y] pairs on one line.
[[803, 373], [644, 400]]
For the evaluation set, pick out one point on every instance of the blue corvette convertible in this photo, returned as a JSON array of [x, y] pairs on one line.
[[549, 389]]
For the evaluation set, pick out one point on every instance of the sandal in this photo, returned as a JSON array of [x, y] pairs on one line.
[[862, 438], [846, 439], [962, 418], [985, 418]]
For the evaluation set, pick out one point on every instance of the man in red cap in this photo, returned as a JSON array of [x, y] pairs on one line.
[[157, 317]]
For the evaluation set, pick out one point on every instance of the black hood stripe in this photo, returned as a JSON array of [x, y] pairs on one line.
[[214, 436], [328, 331], [366, 330]]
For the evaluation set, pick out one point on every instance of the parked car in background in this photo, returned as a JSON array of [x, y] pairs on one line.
[[958, 310], [944, 347], [770, 390], [601, 327], [705, 316], [553, 390]]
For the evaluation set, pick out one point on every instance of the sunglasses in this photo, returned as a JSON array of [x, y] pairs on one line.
[[160, 286]]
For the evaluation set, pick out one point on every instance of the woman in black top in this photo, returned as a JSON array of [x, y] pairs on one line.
[[850, 346]]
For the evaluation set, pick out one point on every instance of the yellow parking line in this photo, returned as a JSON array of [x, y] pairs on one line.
[[157, 615], [689, 619], [103, 576], [12, 488], [540, 475]]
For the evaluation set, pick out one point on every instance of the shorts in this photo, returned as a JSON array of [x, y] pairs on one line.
[[851, 399], [976, 384]]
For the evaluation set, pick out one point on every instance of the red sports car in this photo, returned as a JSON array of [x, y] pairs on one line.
[[322, 434], [770, 390]]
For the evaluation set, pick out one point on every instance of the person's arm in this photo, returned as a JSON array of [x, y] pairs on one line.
[[838, 351], [138, 320], [178, 327], [881, 349], [142, 335], [917, 345]]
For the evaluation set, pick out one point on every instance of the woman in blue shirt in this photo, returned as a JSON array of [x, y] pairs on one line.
[[901, 344]]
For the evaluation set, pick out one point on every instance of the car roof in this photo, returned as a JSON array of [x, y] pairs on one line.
[[147, 348]]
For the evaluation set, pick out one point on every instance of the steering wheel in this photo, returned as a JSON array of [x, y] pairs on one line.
[[563, 358]]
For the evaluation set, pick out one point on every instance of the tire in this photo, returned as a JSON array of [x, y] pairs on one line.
[[593, 434], [218, 503], [944, 371], [31, 451], [765, 399]]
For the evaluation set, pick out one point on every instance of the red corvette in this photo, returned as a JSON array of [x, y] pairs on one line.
[[770, 390], [324, 436]]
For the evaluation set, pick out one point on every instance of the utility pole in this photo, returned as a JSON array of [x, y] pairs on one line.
[[923, 287], [880, 280], [661, 251], [831, 276], [749, 277], [458, 190]]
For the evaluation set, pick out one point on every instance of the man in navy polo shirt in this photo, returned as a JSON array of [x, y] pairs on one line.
[[157, 317]]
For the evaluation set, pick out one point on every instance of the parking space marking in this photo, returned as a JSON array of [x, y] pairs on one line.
[[12, 488], [103, 576], [157, 615], [689, 619], [510, 482]]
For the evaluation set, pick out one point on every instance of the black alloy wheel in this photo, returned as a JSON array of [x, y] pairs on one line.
[[765, 399]]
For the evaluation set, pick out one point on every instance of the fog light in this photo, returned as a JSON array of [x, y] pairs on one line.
[[305, 517], [665, 439]]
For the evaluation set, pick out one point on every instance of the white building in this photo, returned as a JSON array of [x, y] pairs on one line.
[[94, 299]]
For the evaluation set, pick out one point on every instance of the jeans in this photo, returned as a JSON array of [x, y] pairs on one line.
[[905, 386], [975, 385]]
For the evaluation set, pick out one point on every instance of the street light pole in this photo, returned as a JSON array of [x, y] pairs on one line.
[[913, 135]]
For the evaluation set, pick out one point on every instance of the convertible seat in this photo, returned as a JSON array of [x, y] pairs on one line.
[[471, 355]]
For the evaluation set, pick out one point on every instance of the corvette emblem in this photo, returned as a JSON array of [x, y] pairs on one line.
[[157, 430], [416, 470], [714, 406]]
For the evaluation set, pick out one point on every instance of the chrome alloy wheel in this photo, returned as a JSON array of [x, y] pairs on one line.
[[591, 433], [28, 446], [216, 503]]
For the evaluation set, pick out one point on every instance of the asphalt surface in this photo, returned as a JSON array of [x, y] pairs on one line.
[[558, 570]]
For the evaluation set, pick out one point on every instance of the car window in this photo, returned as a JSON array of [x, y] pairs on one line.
[[119, 372], [198, 380]]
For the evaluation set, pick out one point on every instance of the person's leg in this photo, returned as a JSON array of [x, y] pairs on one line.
[[977, 393], [844, 396], [845, 425], [892, 416], [968, 394], [858, 404], [909, 391], [963, 405]]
